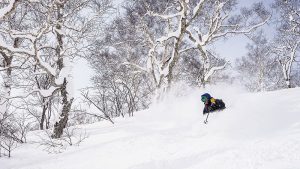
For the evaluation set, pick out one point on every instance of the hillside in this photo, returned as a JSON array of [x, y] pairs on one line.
[[255, 131]]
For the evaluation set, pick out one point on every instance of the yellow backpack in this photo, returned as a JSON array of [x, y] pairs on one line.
[[212, 100]]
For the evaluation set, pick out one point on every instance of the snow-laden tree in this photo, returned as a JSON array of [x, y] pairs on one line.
[[119, 90], [295, 76], [287, 41], [71, 31], [259, 69], [6, 59], [288, 16], [57, 32], [191, 70], [172, 28], [286, 51], [11, 69]]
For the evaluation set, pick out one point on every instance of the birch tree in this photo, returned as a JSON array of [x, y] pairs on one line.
[[259, 69], [286, 45], [12, 16], [172, 28], [55, 38], [6, 58], [119, 90], [286, 53]]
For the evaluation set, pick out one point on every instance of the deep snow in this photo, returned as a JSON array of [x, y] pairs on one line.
[[255, 131]]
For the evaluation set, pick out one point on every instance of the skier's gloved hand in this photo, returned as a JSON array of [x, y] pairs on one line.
[[205, 110]]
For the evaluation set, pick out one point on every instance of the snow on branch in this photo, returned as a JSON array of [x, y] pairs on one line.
[[13, 50], [135, 66], [187, 49], [196, 39], [17, 34], [213, 70], [45, 66], [45, 93], [175, 34], [292, 59], [166, 17], [198, 8], [10, 7], [34, 52], [246, 31], [28, 53], [12, 67]]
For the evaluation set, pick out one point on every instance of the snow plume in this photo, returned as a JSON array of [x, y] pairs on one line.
[[178, 108], [182, 104], [247, 116]]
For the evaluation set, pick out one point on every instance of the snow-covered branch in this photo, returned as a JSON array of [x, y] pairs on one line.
[[286, 54], [245, 31], [9, 8], [43, 92], [198, 8], [19, 34], [13, 50], [171, 35], [213, 70], [135, 66], [162, 16]]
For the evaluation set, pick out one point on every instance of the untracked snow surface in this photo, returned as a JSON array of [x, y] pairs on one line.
[[255, 131]]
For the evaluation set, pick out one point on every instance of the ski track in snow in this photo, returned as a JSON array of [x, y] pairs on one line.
[[255, 131]]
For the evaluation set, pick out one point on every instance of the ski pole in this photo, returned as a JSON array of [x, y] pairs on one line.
[[205, 121]]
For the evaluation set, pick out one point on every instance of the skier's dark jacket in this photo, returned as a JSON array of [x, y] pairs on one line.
[[211, 104]]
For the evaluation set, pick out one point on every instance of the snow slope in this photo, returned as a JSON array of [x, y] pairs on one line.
[[256, 131]]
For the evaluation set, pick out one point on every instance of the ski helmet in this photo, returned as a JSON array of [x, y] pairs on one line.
[[205, 97]]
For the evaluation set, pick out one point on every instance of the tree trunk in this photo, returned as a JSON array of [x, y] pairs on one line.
[[43, 116], [288, 83], [177, 44], [66, 100], [63, 120]]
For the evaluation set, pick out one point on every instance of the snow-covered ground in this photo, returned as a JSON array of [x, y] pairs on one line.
[[256, 131]]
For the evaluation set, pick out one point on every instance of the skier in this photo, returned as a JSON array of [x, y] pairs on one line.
[[211, 104]]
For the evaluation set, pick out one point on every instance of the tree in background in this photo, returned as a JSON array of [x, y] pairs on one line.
[[286, 50], [8, 130], [287, 41], [119, 90], [271, 64], [259, 69]]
